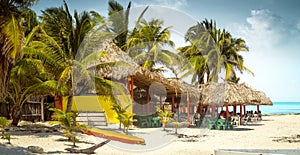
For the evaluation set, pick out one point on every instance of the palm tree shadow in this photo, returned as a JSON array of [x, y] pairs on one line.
[[67, 140], [241, 129], [13, 150], [35, 133], [56, 152]]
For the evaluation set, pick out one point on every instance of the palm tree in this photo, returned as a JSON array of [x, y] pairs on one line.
[[229, 49], [147, 42], [119, 19], [68, 120], [68, 33], [27, 79], [202, 54], [211, 50], [11, 38], [164, 117]]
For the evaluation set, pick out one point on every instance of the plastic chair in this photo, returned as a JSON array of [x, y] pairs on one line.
[[145, 121], [221, 124], [155, 122], [211, 124]]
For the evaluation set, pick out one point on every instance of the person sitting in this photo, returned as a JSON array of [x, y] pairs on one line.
[[197, 118], [259, 115], [222, 115]]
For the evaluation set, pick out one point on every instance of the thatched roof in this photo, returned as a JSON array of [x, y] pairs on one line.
[[220, 94], [253, 97], [264, 99], [143, 78], [232, 94]]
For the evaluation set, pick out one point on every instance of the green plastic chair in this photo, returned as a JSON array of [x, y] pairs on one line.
[[155, 122], [221, 124], [211, 124], [145, 121]]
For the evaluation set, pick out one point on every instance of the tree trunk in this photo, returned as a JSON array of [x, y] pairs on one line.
[[5, 68], [16, 114], [89, 150], [69, 104]]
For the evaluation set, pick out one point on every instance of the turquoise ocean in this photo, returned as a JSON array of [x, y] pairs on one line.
[[277, 108]]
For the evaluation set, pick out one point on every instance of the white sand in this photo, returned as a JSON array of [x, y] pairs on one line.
[[259, 135]]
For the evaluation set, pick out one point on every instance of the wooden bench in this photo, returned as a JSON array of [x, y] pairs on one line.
[[92, 118]]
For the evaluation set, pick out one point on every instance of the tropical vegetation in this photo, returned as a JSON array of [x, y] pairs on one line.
[[68, 121], [164, 117], [57, 56]]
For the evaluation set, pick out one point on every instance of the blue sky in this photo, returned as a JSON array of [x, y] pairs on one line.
[[271, 29]]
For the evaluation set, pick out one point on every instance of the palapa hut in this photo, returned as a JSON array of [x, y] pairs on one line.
[[146, 88], [220, 94], [232, 94]]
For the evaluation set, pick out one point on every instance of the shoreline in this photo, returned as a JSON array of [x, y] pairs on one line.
[[273, 132]]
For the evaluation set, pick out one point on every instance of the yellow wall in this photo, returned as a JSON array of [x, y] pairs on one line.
[[99, 103]]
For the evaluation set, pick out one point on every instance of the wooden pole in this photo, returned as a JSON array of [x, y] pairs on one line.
[[234, 110], [60, 103], [241, 113], [257, 108], [188, 108], [148, 100], [173, 103], [227, 112], [244, 109], [132, 82], [213, 110], [201, 109], [178, 112], [42, 110]]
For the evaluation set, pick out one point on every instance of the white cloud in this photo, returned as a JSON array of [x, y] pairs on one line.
[[264, 31], [273, 56], [175, 4]]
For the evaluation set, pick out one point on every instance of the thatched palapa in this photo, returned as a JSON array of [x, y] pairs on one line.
[[143, 78]]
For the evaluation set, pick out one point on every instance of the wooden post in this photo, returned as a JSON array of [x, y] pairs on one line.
[[60, 103], [227, 112], [132, 82], [241, 113], [234, 110], [178, 112], [257, 108], [201, 109], [188, 108], [244, 109], [42, 110], [173, 102], [148, 100], [213, 110]]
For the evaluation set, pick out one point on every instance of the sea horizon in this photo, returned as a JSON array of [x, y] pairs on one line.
[[278, 108]]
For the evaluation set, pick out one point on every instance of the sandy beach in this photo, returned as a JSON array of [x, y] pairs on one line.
[[277, 131]]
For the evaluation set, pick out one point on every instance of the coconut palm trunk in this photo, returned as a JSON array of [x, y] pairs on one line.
[[69, 104], [16, 114]]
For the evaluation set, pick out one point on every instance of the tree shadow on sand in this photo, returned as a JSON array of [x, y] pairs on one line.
[[7, 150]]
